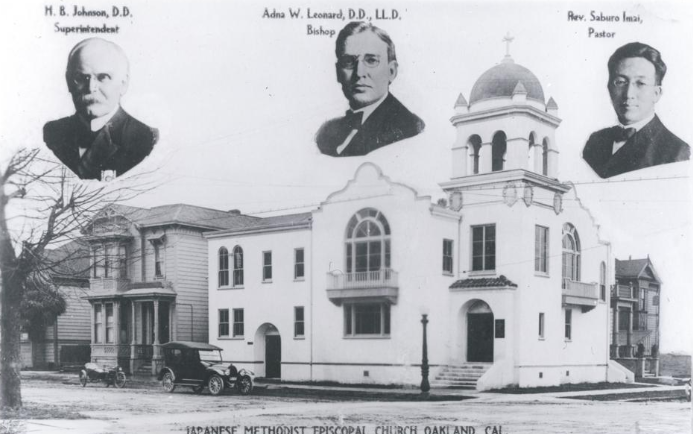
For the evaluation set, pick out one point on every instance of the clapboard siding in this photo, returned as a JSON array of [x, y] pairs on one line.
[[186, 268], [75, 323]]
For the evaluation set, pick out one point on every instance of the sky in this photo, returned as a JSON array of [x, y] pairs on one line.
[[238, 97]]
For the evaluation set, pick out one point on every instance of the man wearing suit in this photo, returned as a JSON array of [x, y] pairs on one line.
[[366, 65], [640, 140], [100, 141]]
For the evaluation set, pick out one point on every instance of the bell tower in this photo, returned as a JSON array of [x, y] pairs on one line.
[[505, 133]]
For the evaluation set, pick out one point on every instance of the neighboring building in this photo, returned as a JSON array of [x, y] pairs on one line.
[[148, 280], [66, 341], [635, 314], [338, 294]]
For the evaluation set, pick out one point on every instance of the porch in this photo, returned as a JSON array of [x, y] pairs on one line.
[[128, 329]]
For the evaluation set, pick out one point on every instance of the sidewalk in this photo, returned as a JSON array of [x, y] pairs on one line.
[[273, 387], [278, 388]]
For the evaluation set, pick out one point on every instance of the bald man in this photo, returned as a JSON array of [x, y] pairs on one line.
[[100, 141]]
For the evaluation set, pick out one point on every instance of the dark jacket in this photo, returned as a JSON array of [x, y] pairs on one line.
[[120, 145], [389, 123], [651, 146]]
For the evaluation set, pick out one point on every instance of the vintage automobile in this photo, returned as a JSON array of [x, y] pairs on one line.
[[198, 365]]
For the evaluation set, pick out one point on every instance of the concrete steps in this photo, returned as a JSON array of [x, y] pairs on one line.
[[145, 369], [462, 376]]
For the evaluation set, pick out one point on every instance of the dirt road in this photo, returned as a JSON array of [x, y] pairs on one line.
[[153, 411]]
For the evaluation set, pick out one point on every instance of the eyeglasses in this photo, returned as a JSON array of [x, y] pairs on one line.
[[83, 80], [620, 83], [350, 62]]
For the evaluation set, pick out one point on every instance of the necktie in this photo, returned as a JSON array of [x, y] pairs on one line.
[[352, 123], [353, 120], [623, 134]]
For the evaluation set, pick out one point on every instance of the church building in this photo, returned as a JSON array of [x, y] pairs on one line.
[[509, 272]]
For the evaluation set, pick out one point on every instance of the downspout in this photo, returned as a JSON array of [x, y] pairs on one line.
[[311, 297], [607, 295], [143, 272], [459, 246], [56, 346]]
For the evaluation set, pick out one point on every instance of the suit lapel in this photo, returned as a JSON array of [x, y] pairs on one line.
[[78, 136], [636, 152], [368, 138]]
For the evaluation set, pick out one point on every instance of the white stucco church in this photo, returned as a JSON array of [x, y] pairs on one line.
[[510, 270]]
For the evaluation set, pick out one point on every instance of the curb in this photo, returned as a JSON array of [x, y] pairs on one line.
[[272, 388]]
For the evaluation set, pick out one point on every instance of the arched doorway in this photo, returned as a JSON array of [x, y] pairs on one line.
[[268, 347], [479, 333]]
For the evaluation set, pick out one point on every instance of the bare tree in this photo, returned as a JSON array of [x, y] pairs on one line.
[[42, 205]]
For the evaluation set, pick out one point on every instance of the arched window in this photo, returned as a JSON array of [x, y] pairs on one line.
[[571, 254], [367, 242], [498, 147], [602, 281], [223, 267], [475, 146], [545, 158], [237, 266], [530, 152]]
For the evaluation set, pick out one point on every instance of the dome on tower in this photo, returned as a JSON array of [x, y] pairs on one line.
[[501, 81]]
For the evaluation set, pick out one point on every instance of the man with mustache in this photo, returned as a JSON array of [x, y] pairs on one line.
[[640, 140], [100, 141], [366, 66]]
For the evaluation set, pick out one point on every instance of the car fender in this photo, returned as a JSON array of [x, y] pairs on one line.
[[211, 371], [244, 371], [163, 371]]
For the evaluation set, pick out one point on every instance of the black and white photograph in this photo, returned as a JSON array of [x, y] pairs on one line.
[[375, 117], [100, 137], [370, 217]]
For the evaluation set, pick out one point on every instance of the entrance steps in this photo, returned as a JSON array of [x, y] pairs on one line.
[[144, 370], [462, 376]]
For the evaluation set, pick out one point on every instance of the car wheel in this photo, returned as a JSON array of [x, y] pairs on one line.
[[198, 389], [83, 378], [244, 385], [215, 384], [167, 382], [120, 380]]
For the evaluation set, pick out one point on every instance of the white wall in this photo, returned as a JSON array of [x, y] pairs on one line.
[[263, 302]]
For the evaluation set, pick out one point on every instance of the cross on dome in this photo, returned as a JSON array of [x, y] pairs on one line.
[[507, 39]]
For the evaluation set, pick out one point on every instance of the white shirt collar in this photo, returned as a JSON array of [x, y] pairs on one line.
[[369, 109], [639, 124], [98, 123]]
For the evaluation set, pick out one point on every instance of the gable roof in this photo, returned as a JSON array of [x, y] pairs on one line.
[[183, 214], [636, 268], [69, 261], [260, 224]]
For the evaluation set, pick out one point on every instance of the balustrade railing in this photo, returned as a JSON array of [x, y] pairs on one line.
[[580, 289], [622, 291], [143, 351], [385, 277]]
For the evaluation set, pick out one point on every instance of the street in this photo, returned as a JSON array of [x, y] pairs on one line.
[[153, 411]]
